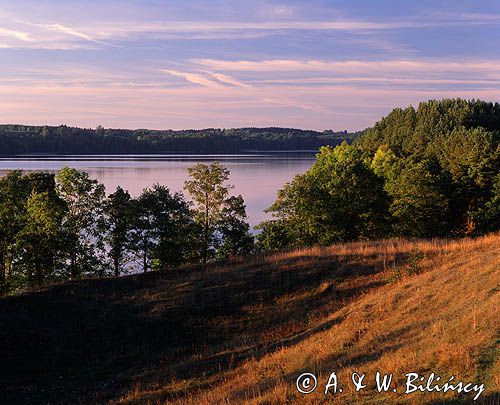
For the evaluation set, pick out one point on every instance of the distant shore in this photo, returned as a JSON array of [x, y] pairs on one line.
[[63, 140]]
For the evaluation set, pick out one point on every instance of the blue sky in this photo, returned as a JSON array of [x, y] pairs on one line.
[[195, 64]]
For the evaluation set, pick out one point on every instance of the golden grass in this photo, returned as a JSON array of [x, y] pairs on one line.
[[445, 320]]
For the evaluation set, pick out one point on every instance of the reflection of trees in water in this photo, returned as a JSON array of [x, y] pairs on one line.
[[256, 177]]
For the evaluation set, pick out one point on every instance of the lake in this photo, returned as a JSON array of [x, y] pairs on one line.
[[257, 177]]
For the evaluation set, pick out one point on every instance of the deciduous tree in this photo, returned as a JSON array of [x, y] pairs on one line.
[[84, 221], [119, 213]]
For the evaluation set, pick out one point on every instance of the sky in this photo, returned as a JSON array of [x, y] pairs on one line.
[[179, 64]]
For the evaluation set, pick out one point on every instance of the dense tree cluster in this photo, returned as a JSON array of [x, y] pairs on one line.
[[22, 139], [56, 227], [429, 172]]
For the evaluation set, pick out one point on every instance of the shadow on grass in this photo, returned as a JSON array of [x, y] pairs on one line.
[[91, 340]]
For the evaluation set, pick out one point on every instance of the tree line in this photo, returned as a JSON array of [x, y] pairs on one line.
[[22, 139], [57, 227], [427, 172]]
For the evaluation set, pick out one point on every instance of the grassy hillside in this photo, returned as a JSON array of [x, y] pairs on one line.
[[243, 332]]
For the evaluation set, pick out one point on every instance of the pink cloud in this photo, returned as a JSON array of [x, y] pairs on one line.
[[328, 106]]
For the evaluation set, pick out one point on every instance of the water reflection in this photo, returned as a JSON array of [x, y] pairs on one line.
[[257, 177]]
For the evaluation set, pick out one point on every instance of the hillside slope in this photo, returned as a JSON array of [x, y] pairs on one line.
[[243, 332]]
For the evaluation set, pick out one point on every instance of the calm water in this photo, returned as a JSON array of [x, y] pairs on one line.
[[257, 177]]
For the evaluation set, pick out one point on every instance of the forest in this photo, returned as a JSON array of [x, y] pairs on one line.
[[23, 139], [62, 227], [428, 172]]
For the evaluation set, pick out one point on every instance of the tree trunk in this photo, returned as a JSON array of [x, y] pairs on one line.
[[3, 273], [471, 223], [145, 261], [206, 233], [38, 272], [205, 247], [116, 265], [73, 269]]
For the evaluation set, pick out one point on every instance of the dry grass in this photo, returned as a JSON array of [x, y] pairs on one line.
[[445, 320], [242, 332]]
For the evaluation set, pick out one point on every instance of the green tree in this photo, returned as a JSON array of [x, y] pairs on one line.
[[100, 130], [299, 215], [233, 230], [83, 223], [143, 233], [420, 196], [163, 229], [463, 137], [40, 239], [12, 216], [339, 199], [119, 213], [384, 163], [274, 235], [355, 201], [209, 191], [491, 214], [15, 190], [472, 158], [221, 217]]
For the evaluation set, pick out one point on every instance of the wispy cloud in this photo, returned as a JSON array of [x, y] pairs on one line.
[[73, 33], [201, 106], [192, 28], [18, 35], [463, 17], [431, 65], [192, 78], [187, 64], [109, 30], [205, 78], [44, 35], [380, 80], [195, 28], [229, 80]]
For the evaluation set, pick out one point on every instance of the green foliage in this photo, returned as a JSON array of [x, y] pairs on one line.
[[30, 212], [162, 229], [420, 205], [274, 235], [419, 132], [384, 163], [490, 216], [12, 217], [40, 240], [118, 223], [84, 222], [222, 218], [431, 171], [233, 230], [296, 217], [63, 227], [410, 268], [338, 199], [414, 263], [19, 139], [351, 192], [422, 173]]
